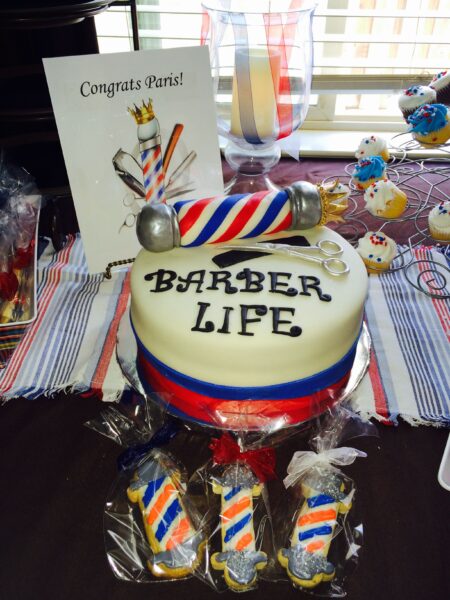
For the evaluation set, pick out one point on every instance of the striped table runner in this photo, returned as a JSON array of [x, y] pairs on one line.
[[409, 373], [71, 345]]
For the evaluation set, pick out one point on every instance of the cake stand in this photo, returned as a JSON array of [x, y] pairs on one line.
[[126, 350]]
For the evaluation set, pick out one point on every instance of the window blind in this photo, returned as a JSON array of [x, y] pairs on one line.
[[352, 37]]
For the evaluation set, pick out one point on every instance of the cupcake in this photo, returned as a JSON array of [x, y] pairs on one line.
[[439, 222], [368, 170], [441, 85], [430, 124], [373, 146], [384, 199], [415, 96], [377, 251]]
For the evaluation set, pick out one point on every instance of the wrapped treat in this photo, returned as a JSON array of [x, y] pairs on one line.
[[153, 531], [19, 210], [239, 484], [8, 279], [177, 547], [324, 498]]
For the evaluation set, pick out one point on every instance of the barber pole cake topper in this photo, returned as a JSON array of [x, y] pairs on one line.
[[148, 133], [222, 219]]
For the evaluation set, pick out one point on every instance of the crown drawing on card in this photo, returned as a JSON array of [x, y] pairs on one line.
[[142, 114]]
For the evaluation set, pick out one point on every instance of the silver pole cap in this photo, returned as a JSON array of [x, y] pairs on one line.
[[306, 205], [157, 227]]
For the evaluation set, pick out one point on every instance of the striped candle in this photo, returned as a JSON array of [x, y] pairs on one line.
[[240, 216]]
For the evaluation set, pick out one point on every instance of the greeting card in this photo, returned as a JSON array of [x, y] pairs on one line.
[[135, 127]]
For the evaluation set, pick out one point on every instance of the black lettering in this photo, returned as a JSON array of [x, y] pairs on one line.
[[82, 90], [163, 280], [150, 80], [276, 284], [222, 277], [260, 311], [209, 325], [226, 320], [195, 278], [309, 282], [294, 331], [111, 89], [253, 280]]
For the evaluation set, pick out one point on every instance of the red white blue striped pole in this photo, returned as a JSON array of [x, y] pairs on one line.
[[150, 148]]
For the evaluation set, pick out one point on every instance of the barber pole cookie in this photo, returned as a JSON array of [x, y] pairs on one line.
[[306, 560], [148, 133], [239, 559], [176, 545]]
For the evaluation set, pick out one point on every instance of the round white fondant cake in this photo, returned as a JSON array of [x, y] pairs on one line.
[[246, 340]]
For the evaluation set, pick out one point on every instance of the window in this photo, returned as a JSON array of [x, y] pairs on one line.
[[366, 51]]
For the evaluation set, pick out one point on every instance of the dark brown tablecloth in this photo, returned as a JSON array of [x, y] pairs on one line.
[[56, 474]]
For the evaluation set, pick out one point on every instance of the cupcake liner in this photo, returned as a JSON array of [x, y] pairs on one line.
[[443, 95], [376, 267], [440, 235], [385, 155], [435, 138], [363, 185], [396, 208]]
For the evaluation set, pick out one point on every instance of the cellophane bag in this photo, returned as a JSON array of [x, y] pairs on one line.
[[231, 493], [153, 530], [319, 531], [19, 210]]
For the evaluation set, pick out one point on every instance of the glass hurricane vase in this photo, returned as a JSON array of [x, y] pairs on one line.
[[261, 59]]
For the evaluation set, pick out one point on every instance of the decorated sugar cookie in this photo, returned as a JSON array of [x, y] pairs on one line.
[[177, 547], [306, 560], [239, 484], [239, 559]]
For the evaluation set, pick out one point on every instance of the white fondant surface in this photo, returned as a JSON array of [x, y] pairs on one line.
[[163, 321]]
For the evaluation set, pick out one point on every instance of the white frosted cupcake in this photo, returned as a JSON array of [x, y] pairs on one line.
[[377, 251], [373, 146], [441, 84], [415, 96], [439, 222], [384, 199]]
